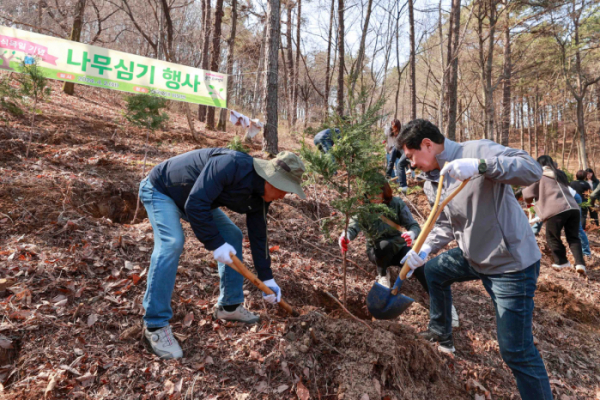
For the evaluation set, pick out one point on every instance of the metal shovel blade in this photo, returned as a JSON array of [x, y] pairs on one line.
[[382, 304]]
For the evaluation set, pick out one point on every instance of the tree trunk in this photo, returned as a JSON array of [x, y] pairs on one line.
[[231, 44], [341, 54], [216, 58], [327, 67], [69, 87], [259, 75], [453, 73], [205, 50], [271, 121], [398, 62], [413, 79], [361, 50], [535, 124], [506, 87], [297, 71], [290, 64], [581, 130], [521, 123]]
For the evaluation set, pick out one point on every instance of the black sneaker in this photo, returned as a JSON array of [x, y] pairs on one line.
[[446, 343]]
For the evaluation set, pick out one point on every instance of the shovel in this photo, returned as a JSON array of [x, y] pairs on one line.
[[385, 303], [240, 268]]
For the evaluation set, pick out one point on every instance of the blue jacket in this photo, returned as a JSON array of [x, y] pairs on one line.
[[202, 180]]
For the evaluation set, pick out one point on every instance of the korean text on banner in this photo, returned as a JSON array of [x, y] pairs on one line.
[[96, 66]]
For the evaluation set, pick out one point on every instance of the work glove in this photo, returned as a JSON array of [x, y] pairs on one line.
[[343, 241], [222, 253], [408, 238], [461, 169], [415, 260], [272, 298]]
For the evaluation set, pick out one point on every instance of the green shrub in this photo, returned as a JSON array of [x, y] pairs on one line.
[[237, 145]]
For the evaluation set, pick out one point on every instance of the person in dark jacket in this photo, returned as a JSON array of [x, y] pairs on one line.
[[324, 139], [193, 186], [583, 188], [558, 209], [593, 181], [386, 246]]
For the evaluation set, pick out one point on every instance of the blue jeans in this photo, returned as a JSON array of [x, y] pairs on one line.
[[165, 217], [393, 172], [585, 243], [512, 295]]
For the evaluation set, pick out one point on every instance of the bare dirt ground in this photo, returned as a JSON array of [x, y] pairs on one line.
[[75, 274]]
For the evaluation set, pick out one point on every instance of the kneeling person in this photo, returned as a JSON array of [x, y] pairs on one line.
[[386, 246], [194, 186]]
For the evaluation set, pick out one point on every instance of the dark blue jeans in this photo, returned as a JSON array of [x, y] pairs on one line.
[[512, 295]]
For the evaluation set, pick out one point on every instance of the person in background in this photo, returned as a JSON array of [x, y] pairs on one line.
[[582, 187], [397, 158], [558, 209], [585, 243], [390, 136], [594, 184], [324, 139]]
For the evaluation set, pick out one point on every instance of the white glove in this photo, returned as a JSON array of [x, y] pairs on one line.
[[461, 169], [272, 298], [415, 260], [222, 253]]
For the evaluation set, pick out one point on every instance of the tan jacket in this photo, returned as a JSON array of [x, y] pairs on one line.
[[551, 197]]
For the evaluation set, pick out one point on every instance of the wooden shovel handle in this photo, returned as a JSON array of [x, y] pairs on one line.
[[433, 216], [238, 266]]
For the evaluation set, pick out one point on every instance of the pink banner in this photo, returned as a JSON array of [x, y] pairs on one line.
[[27, 47]]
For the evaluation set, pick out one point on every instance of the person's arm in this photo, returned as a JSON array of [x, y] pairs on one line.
[[510, 166], [595, 194], [531, 193], [217, 173], [353, 229], [407, 221], [259, 243]]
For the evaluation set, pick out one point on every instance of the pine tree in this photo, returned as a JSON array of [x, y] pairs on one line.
[[33, 85], [353, 168]]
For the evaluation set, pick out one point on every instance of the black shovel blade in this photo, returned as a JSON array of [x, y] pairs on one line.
[[383, 305]]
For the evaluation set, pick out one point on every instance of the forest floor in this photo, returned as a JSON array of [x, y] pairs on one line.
[[75, 270]]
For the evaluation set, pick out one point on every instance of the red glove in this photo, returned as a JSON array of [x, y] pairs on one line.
[[408, 238], [343, 242]]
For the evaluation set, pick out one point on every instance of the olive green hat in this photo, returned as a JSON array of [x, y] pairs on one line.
[[284, 172]]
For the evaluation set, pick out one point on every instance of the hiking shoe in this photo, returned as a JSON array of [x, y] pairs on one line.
[[385, 280], [558, 267], [580, 269], [455, 321], [240, 314], [446, 343], [163, 343]]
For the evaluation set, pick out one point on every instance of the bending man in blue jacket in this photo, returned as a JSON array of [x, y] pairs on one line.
[[194, 186]]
